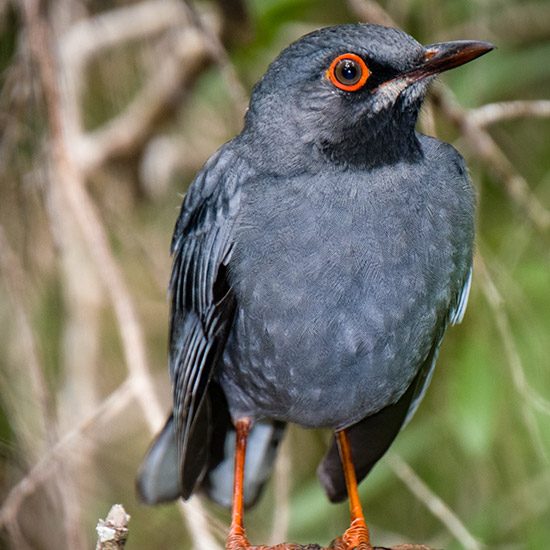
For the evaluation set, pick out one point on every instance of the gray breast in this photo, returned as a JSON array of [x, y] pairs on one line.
[[342, 284]]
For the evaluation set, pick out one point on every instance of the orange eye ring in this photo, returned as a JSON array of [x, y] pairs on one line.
[[348, 72]]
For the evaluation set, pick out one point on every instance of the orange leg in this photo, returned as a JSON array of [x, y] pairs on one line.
[[357, 535], [236, 539]]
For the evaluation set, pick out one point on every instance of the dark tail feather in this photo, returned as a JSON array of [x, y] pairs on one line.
[[261, 450], [209, 457], [159, 473], [370, 439]]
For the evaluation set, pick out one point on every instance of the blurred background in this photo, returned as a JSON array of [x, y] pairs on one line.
[[107, 110]]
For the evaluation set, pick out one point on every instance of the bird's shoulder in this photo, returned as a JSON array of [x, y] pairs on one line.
[[213, 197], [204, 235], [442, 158]]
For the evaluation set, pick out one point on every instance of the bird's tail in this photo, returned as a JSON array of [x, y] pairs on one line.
[[261, 450], [159, 475]]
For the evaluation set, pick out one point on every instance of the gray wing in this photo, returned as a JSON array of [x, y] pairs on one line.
[[203, 304], [202, 311]]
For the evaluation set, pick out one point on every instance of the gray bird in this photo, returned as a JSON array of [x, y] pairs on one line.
[[319, 257]]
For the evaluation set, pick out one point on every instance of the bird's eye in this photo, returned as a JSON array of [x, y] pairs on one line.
[[348, 72]]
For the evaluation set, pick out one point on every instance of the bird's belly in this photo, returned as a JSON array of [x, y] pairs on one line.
[[327, 369]]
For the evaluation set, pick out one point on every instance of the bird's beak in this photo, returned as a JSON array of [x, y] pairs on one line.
[[446, 55]]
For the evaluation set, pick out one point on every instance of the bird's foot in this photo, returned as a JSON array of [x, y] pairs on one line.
[[355, 537], [236, 539]]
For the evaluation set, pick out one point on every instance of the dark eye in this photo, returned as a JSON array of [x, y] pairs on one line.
[[348, 72]]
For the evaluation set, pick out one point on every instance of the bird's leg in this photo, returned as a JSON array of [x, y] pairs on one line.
[[236, 539], [357, 535]]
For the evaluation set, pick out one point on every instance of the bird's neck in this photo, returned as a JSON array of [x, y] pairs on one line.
[[372, 151]]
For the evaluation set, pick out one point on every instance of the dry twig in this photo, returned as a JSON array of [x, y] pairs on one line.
[[112, 532]]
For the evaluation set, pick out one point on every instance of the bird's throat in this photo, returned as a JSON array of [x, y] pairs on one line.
[[373, 151]]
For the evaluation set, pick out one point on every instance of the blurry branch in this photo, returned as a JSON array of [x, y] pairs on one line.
[[32, 438], [220, 57], [520, 22], [37, 431], [505, 110], [15, 281], [371, 12], [237, 26], [130, 129], [530, 398], [72, 444], [67, 176], [199, 525], [283, 476], [526, 502], [133, 127], [69, 444], [88, 38], [112, 532], [436, 506], [192, 46], [482, 145]]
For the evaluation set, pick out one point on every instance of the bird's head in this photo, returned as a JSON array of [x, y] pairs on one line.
[[351, 93]]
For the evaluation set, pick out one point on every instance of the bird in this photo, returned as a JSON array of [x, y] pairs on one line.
[[318, 258]]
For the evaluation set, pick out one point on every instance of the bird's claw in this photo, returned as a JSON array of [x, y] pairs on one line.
[[236, 539], [356, 537]]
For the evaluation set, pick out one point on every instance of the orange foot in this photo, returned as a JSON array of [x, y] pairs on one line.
[[236, 539], [355, 537]]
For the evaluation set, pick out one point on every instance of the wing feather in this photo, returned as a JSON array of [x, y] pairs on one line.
[[202, 302], [425, 376]]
